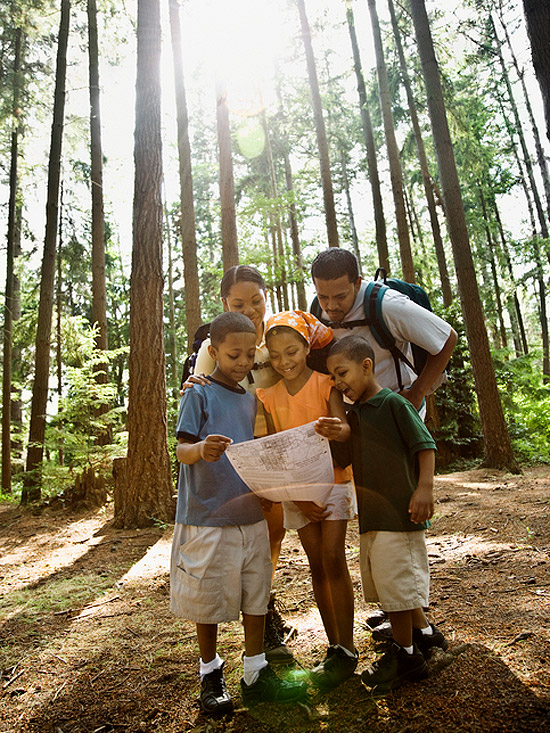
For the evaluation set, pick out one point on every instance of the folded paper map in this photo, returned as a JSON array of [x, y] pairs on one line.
[[293, 465]]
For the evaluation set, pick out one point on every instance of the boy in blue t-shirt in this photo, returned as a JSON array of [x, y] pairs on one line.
[[220, 562], [393, 457]]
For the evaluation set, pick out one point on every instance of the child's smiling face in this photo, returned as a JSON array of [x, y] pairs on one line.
[[287, 353], [354, 379]]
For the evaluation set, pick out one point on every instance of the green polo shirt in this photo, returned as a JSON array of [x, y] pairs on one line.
[[386, 435]]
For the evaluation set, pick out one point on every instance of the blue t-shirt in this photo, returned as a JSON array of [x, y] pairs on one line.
[[213, 494]]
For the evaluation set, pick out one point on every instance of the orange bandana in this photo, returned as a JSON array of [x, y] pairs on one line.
[[312, 330]]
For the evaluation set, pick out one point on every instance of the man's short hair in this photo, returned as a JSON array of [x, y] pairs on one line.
[[333, 263], [353, 347], [227, 323]]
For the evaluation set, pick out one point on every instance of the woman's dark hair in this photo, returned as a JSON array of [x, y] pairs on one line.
[[239, 274], [334, 263]]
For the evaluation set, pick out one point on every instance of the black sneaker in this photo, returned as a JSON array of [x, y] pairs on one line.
[[214, 698], [383, 632], [395, 667], [270, 688], [276, 651], [428, 642], [335, 668], [376, 618]]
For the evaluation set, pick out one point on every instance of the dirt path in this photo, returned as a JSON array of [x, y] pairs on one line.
[[87, 642]]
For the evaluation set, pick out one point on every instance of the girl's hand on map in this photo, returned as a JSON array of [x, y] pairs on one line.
[[313, 511], [329, 427]]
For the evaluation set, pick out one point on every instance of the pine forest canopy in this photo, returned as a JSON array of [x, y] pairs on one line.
[[268, 157]]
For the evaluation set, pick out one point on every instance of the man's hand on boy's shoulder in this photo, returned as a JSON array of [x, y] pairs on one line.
[[192, 379], [421, 505], [213, 446]]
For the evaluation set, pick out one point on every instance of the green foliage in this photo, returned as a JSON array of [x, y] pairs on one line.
[[458, 435], [76, 437], [526, 403]]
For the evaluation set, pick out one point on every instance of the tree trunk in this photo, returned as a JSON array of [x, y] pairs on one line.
[[58, 329], [99, 297], [424, 168], [172, 343], [14, 234], [149, 483], [498, 447], [396, 175], [32, 488], [491, 248], [187, 220], [230, 248], [541, 158], [295, 236], [537, 15], [519, 130], [353, 230], [374, 179], [522, 346], [278, 244], [322, 143]]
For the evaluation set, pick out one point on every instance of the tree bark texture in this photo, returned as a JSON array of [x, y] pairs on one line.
[[99, 296], [230, 247], [374, 178], [322, 142], [396, 173], [187, 220], [14, 233], [149, 483], [498, 448], [32, 488], [537, 15]]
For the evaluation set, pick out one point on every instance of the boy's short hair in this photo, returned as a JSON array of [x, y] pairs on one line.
[[333, 263], [353, 347], [227, 323]]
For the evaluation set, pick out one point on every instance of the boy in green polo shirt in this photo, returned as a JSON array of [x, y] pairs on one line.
[[393, 458]]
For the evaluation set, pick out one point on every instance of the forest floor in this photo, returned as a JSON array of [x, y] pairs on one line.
[[87, 642]]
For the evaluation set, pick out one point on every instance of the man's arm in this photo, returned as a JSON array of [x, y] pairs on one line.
[[435, 365]]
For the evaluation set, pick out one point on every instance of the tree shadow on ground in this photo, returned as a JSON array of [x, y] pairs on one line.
[[47, 606], [471, 690]]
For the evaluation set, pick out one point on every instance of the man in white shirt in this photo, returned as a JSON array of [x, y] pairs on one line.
[[340, 292]]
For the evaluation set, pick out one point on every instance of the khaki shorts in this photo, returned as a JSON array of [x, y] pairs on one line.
[[394, 569], [217, 572], [341, 501]]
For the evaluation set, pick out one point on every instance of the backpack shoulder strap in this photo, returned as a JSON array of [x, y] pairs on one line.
[[372, 303]]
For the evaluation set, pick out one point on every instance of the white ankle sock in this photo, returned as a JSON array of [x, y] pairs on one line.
[[207, 667], [408, 649], [252, 666], [353, 655], [427, 631]]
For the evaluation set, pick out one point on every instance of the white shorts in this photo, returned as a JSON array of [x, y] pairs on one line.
[[217, 572], [341, 502], [394, 569]]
